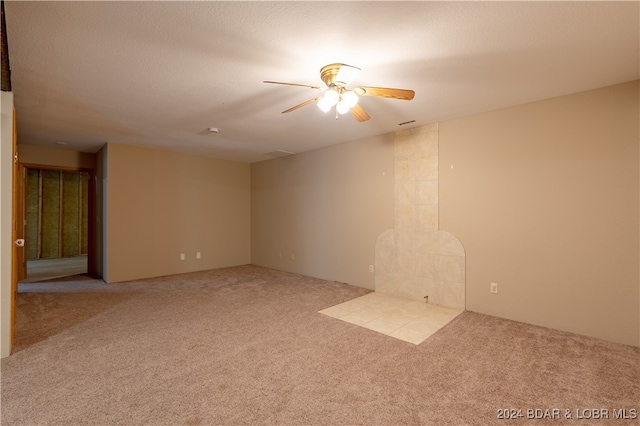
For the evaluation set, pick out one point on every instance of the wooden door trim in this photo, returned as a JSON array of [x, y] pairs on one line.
[[57, 168], [16, 230]]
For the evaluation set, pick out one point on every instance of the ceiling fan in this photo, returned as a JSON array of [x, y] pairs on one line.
[[336, 77]]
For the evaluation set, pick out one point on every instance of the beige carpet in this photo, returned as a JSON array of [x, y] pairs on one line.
[[247, 345]]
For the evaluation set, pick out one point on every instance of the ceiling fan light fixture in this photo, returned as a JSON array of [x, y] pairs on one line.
[[330, 98], [336, 78]]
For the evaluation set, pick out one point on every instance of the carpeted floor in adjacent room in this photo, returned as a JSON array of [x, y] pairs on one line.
[[247, 345]]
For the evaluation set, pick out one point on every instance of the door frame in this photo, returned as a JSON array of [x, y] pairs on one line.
[[91, 260], [16, 231]]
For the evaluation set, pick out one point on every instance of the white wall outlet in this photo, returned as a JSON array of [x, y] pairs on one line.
[[182, 257], [279, 255], [292, 257], [198, 255], [494, 287], [371, 268]]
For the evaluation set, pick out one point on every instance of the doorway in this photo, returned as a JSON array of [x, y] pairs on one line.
[[57, 210]]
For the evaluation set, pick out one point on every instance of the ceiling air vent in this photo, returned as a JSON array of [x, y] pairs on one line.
[[279, 153]]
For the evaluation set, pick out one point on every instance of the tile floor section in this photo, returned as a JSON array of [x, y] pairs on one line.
[[394, 316]]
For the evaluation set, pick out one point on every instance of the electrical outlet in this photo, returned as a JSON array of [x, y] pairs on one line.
[[494, 287], [371, 268], [198, 255], [182, 257], [279, 255], [292, 257]]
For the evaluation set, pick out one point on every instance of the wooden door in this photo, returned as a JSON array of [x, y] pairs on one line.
[[20, 218]]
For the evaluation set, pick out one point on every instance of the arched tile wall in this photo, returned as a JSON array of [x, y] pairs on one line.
[[416, 259]]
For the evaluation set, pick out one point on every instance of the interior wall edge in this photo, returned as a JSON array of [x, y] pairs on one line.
[[6, 243]]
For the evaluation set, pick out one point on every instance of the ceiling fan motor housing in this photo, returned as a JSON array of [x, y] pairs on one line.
[[338, 74]]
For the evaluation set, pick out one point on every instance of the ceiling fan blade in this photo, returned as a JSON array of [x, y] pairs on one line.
[[385, 92], [359, 113], [291, 84], [305, 103]]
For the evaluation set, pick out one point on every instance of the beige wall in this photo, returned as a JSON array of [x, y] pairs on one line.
[[160, 204], [327, 207], [544, 198], [6, 243], [45, 156]]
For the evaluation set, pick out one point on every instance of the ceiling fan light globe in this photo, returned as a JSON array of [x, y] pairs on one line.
[[350, 98], [332, 97], [342, 107], [324, 105]]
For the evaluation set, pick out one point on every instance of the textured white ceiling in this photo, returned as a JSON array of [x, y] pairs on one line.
[[161, 73]]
